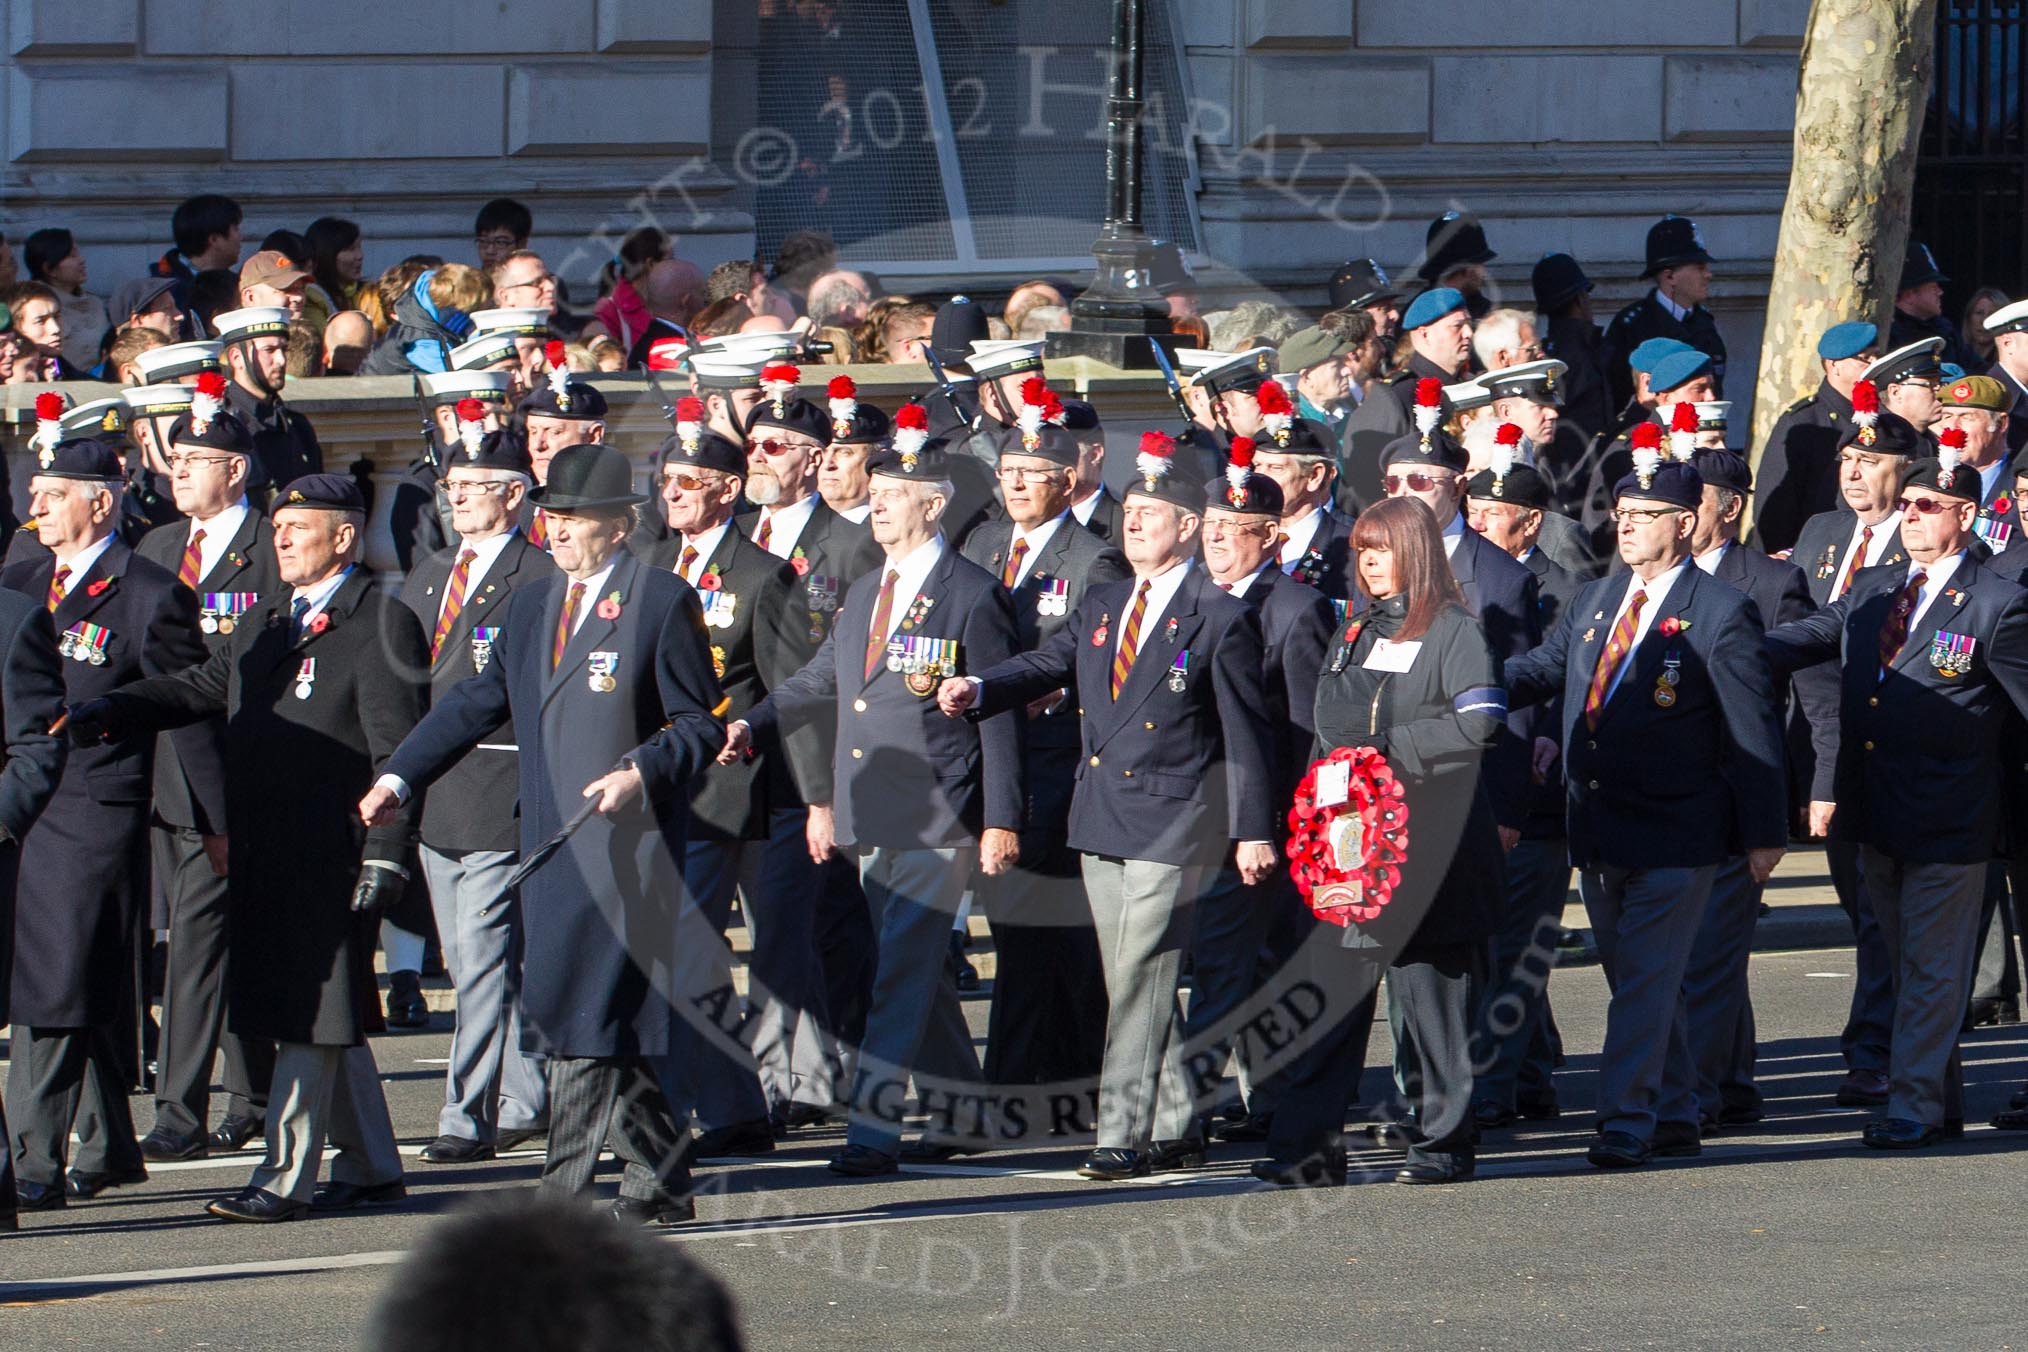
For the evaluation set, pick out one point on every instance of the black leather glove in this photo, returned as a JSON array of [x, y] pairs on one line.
[[93, 722], [379, 886]]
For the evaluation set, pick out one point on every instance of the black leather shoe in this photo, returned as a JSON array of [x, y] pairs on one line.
[[2019, 1098], [164, 1146], [797, 1115], [654, 1210], [863, 1161], [457, 1150], [9, 1223], [2014, 1119], [1166, 1157], [1740, 1115], [505, 1139], [962, 972], [1391, 1137], [1311, 1171], [38, 1196], [258, 1206], [339, 1196], [1677, 1140], [1459, 1172], [406, 1007], [1252, 1127], [235, 1132], [1992, 1013], [739, 1138], [1493, 1116], [1110, 1164], [1538, 1110], [85, 1186], [936, 1152], [1618, 1150], [1863, 1089], [1898, 1133]]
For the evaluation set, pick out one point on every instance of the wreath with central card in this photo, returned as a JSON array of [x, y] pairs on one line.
[[1346, 857]]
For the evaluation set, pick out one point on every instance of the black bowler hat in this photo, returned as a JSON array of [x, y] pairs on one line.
[[1918, 266], [586, 404], [588, 478], [798, 414], [1453, 238], [960, 322], [223, 431], [322, 493], [81, 458], [1672, 242], [1723, 469], [705, 449], [1557, 281], [1360, 283], [1167, 272], [498, 449]]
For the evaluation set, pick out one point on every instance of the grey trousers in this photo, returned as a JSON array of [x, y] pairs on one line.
[[1716, 1000], [193, 997], [1929, 918], [1142, 911], [1645, 921], [46, 1085], [621, 1099], [326, 1095], [491, 1084], [915, 1022]]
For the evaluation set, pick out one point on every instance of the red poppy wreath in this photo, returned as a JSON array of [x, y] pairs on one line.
[[1346, 858]]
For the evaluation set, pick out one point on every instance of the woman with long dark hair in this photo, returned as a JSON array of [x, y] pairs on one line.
[[1413, 676], [55, 260], [337, 259]]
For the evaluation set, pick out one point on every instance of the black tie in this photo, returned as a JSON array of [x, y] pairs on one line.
[[297, 615]]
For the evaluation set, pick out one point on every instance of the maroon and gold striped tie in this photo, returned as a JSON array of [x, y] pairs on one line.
[[1012, 572], [1130, 638], [683, 564], [57, 591], [766, 532], [454, 600], [566, 624], [189, 571], [1616, 647], [876, 632], [1856, 562], [538, 531]]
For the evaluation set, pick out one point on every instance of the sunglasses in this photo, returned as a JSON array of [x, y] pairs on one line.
[[774, 447], [1928, 506], [1417, 483], [689, 483]]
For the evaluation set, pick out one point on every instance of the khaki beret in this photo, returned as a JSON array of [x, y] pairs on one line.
[[1975, 392]]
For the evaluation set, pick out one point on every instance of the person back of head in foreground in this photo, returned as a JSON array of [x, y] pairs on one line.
[[526, 1272]]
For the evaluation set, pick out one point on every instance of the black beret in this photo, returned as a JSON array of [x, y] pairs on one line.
[[1080, 416], [869, 426], [1960, 482], [498, 449], [1254, 495], [1414, 449], [81, 458], [1521, 485], [705, 450], [321, 492], [1892, 435], [1672, 482], [586, 403], [1159, 474], [224, 432], [1304, 436], [2019, 464], [927, 465], [1723, 469], [804, 416], [1055, 444]]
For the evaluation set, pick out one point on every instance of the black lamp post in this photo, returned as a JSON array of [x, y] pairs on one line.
[[1115, 319]]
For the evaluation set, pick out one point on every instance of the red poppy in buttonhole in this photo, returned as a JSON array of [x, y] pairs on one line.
[[320, 624], [98, 588], [609, 609], [709, 582], [1672, 627], [802, 566], [2002, 505]]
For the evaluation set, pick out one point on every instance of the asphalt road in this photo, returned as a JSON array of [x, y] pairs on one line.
[[1784, 1234]]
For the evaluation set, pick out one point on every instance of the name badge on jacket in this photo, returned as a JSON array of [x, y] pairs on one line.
[[600, 667], [220, 611], [482, 648], [1389, 656]]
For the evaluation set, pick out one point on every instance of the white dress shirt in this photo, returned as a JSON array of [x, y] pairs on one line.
[[1657, 593], [1161, 591], [1676, 312], [705, 542], [1453, 533], [911, 571], [1936, 577], [484, 554], [80, 563], [219, 533], [1038, 540], [856, 515], [1883, 530], [1711, 558], [1083, 510], [786, 525], [1300, 536], [587, 603]]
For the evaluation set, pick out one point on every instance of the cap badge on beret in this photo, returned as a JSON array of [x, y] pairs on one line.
[[1236, 471], [1950, 450], [1429, 394], [559, 374], [778, 381], [1647, 452], [49, 406], [1277, 414], [296, 495], [843, 396], [1865, 410], [1506, 449], [1154, 461], [911, 434], [207, 402], [1039, 405], [1961, 391], [1682, 430], [690, 423]]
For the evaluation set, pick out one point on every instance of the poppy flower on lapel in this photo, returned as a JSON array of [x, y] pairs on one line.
[[800, 562], [99, 588], [2002, 505], [609, 609], [708, 583], [319, 624], [1672, 626]]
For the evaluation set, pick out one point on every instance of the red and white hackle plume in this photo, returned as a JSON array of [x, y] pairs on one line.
[[471, 424], [1429, 398], [1506, 452], [1277, 414], [1236, 470], [778, 381], [1950, 450], [911, 433], [689, 421], [1683, 431], [1039, 405], [843, 396], [1647, 451], [1865, 409], [48, 425], [1153, 460], [559, 373], [207, 401]]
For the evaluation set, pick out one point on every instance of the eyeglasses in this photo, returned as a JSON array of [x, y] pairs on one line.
[[773, 447], [458, 488], [1014, 474], [688, 483], [500, 240], [1928, 506], [1641, 516], [177, 462], [533, 283], [1417, 483]]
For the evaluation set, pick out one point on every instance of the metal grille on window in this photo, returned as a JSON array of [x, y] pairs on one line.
[[1971, 185]]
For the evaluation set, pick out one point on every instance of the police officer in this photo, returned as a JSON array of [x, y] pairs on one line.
[[1933, 667], [1918, 308], [1563, 297], [1440, 334], [225, 554], [1362, 284], [495, 1095], [84, 865], [1048, 1016], [1455, 255], [1798, 465], [1673, 307], [1165, 696], [920, 800], [1672, 753], [255, 347]]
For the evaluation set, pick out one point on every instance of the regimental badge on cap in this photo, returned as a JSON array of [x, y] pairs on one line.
[[599, 667]]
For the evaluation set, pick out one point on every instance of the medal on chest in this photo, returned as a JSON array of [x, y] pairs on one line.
[[1052, 596], [85, 642], [1179, 671], [220, 611], [1951, 654], [1666, 683], [306, 678], [718, 608], [599, 668], [482, 648]]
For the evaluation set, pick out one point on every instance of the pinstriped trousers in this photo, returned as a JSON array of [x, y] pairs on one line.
[[591, 1098]]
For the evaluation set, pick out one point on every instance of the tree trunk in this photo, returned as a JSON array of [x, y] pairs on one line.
[[1860, 102]]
